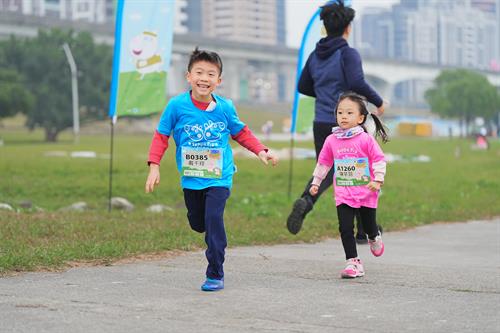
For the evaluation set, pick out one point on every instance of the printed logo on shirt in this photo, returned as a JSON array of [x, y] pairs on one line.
[[347, 150], [209, 131]]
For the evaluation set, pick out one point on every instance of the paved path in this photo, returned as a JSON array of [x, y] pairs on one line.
[[439, 278]]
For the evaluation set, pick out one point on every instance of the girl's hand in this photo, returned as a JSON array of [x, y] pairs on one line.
[[265, 156], [374, 186], [313, 190], [153, 177]]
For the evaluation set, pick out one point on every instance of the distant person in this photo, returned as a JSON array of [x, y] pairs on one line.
[[201, 124], [482, 139], [285, 124], [331, 69], [267, 129], [360, 169]]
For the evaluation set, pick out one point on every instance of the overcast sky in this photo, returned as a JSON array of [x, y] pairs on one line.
[[300, 11]]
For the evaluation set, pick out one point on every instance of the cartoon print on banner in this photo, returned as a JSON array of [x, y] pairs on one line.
[[145, 53], [141, 57]]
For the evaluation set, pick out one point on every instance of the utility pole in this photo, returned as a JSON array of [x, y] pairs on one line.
[[74, 90]]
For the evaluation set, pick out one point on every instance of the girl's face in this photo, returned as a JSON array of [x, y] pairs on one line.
[[348, 114], [204, 77]]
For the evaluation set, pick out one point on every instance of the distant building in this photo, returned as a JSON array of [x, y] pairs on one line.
[[376, 33], [459, 33], [469, 38], [487, 6], [95, 11], [464, 33], [258, 21]]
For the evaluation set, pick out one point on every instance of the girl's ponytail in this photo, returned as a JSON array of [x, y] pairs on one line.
[[380, 129]]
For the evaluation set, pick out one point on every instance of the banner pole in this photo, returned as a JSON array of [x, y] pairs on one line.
[[295, 107], [114, 92], [110, 189], [290, 171]]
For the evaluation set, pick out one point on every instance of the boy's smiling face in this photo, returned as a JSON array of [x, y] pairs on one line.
[[203, 77]]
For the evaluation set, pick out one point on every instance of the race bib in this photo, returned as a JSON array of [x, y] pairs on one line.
[[352, 172], [202, 162]]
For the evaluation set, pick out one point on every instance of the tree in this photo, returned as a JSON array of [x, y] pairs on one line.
[[14, 97], [463, 94], [94, 67], [43, 63]]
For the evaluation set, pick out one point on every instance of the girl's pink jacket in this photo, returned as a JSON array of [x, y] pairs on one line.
[[338, 147]]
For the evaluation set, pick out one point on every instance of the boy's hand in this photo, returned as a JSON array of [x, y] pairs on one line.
[[153, 177], [265, 156], [313, 190], [374, 186]]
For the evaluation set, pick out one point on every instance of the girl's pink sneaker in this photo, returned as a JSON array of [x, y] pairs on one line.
[[353, 269], [376, 246]]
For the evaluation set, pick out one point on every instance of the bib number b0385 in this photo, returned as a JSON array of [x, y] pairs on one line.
[[202, 162]]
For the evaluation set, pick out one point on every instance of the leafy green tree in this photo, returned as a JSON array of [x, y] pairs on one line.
[[43, 63], [14, 97], [463, 94], [94, 63]]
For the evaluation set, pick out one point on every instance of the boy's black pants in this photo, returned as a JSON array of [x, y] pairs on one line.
[[346, 214], [206, 214]]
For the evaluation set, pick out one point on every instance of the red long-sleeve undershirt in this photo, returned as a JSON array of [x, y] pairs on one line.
[[245, 138]]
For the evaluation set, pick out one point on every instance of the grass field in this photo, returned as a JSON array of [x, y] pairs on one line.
[[448, 188]]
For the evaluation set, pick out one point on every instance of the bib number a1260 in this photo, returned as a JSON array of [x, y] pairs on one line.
[[352, 171]]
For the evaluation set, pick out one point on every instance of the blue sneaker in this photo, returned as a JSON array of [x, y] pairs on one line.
[[212, 285]]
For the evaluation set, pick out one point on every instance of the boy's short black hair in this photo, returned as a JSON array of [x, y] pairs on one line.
[[336, 17], [202, 55]]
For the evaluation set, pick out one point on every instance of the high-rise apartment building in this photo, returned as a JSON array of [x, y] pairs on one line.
[[377, 25], [460, 33], [257, 21], [463, 33], [95, 11], [468, 43]]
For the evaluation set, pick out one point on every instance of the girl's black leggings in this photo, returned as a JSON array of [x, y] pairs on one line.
[[346, 226]]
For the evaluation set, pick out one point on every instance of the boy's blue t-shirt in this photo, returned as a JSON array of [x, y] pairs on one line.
[[203, 153]]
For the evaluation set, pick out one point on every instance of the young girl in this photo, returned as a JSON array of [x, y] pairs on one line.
[[358, 175]]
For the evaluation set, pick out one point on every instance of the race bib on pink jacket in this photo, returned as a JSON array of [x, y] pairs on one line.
[[353, 159]]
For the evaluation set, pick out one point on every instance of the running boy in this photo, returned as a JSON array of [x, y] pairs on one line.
[[201, 124]]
